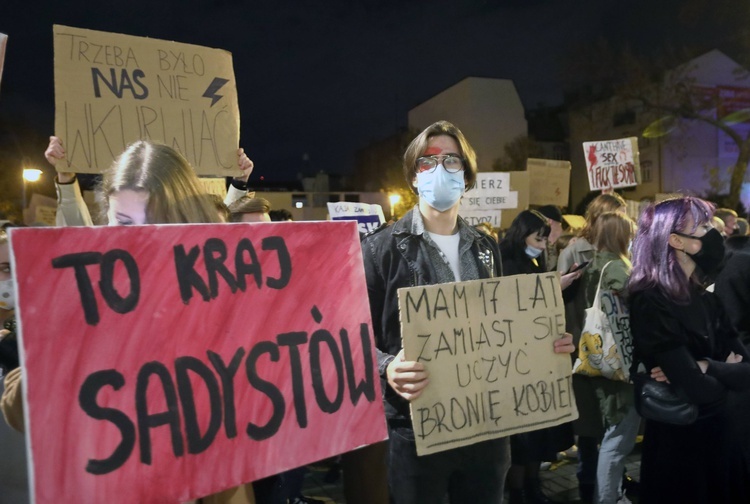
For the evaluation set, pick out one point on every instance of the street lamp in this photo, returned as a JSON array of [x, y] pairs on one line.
[[394, 199], [29, 175]]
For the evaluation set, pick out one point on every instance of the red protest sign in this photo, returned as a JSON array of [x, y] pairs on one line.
[[165, 363]]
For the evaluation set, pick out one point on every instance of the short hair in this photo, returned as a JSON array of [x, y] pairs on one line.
[[723, 213], [246, 205], [282, 214], [417, 147], [719, 224], [613, 232], [602, 203], [655, 263], [175, 195]]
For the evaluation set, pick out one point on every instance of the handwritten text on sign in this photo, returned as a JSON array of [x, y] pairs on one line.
[[113, 89], [488, 198], [193, 358], [488, 346], [368, 216], [612, 163]]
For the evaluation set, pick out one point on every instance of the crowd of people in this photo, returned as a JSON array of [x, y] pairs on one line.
[[683, 270]]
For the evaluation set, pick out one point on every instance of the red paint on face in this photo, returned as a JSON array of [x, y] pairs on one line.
[[432, 150]]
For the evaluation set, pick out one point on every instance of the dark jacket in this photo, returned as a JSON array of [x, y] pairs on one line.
[[395, 257]]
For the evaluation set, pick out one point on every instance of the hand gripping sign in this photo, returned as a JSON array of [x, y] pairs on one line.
[[166, 363], [488, 346]]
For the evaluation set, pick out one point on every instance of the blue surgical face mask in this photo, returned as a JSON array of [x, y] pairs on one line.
[[533, 252], [440, 189]]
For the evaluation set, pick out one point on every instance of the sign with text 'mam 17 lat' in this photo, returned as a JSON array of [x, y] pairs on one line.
[[488, 346], [485, 201], [166, 363], [113, 89], [612, 164]]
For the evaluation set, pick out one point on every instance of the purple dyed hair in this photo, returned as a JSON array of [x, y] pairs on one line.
[[654, 261]]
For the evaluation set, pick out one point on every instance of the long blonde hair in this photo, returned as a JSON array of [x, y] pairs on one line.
[[175, 195]]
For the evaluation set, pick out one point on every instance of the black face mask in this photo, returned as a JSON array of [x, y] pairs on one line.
[[711, 254]]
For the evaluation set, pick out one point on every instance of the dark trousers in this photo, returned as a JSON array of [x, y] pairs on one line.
[[468, 475]]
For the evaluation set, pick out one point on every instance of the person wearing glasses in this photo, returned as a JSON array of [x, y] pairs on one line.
[[429, 245]]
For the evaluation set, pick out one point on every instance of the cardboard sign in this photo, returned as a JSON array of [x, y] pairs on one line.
[[369, 216], [488, 346], [166, 363], [485, 201], [215, 185], [112, 89], [549, 181], [612, 164]]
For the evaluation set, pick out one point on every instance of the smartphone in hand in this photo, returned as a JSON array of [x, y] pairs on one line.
[[579, 267]]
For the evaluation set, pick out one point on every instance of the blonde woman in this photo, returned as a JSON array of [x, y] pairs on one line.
[[613, 234]]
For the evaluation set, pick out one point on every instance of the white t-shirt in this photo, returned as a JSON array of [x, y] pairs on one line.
[[448, 245]]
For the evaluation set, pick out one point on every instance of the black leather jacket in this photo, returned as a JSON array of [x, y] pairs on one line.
[[394, 257]]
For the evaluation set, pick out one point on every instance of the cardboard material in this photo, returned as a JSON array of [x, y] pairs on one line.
[[549, 182], [488, 346], [496, 198], [215, 185], [612, 164], [166, 363], [113, 89]]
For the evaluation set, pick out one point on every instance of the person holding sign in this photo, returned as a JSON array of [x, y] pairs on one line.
[[683, 329], [609, 270], [167, 176], [588, 427], [431, 245], [152, 183]]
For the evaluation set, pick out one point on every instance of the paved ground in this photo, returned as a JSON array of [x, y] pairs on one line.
[[559, 481]]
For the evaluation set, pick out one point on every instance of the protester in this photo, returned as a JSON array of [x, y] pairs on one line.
[[729, 218], [588, 427], [151, 183], [683, 330], [732, 285], [430, 245], [72, 210], [522, 252], [609, 269]]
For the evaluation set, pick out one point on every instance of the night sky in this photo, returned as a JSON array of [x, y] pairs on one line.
[[327, 77]]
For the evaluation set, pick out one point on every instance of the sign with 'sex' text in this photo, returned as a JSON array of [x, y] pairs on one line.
[[488, 346], [113, 89], [193, 358], [612, 164]]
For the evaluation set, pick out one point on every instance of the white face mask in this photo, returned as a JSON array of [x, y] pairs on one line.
[[7, 295], [439, 188], [533, 252]]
